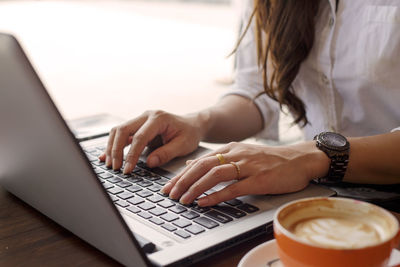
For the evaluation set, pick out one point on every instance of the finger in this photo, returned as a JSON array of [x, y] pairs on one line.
[[195, 172], [218, 174], [166, 152], [110, 142], [102, 157], [168, 186], [140, 139], [221, 150], [120, 141], [240, 188], [190, 163]]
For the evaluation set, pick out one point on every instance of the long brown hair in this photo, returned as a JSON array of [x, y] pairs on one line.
[[289, 27]]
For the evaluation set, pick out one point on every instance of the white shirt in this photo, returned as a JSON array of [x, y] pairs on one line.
[[350, 82]]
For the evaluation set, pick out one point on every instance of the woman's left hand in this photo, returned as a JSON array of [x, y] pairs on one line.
[[257, 169]]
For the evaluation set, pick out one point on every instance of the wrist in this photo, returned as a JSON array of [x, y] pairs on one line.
[[202, 122], [317, 161]]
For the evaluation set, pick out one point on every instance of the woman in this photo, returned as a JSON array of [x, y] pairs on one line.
[[334, 65]]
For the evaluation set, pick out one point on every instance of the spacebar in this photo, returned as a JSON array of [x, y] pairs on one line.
[[146, 245]]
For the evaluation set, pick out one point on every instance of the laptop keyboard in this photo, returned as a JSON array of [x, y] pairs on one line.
[[139, 193]]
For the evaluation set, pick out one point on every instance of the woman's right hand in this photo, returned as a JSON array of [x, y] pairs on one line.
[[180, 136]]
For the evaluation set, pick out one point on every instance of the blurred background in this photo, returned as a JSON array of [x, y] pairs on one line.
[[126, 56]]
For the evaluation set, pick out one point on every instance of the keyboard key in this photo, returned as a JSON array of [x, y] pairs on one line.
[[153, 177], [178, 209], [235, 213], [190, 215], [105, 175], [136, 200], [144, 215], [234, 202], [248, 208], [125, 195], [145, 183], [133, 209], [195, 229], [166, 203], [168, 227], [115, 190], [201, 209], [156, 221], [134, 188], [104, 167], [98, 171], [146, 206], [115, 171], [144, 193], [218, 216], [124, 176], [97, 163], [134, 179], [114, 180], [108, 185], [91, 158], [162, 181], [113, 198], [158, 211], [154, 187], [182, 223], [142, 172], [169, 217], [96, 153], [122, 203], [101, 148], [90, 150], [155, 198], [182, 234], [124, 184], [207, 223]]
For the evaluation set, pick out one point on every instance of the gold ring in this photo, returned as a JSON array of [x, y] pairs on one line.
[[237, 168], [220, 158]]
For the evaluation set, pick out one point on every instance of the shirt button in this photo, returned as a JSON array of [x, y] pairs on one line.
[[331, 22]]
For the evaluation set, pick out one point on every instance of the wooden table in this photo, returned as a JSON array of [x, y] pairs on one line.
[[28, 238]]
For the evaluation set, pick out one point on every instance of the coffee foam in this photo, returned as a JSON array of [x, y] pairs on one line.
[[337, 224], [338, 232]]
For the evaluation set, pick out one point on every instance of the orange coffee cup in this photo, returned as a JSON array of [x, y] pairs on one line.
[[325, 232]]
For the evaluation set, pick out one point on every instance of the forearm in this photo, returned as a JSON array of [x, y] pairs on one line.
[[374, 159], [233, 118]]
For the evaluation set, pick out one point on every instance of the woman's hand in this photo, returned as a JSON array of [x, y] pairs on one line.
[[180, 136], [257, 169]]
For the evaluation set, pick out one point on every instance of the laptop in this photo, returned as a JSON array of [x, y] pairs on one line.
[[126, 217]]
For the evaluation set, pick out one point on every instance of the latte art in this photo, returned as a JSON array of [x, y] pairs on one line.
[[338, 232]]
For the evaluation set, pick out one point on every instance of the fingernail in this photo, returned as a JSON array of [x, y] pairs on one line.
[[185, 198], [203, 201], [114, 163], [189, 161], [166, 188], [153, 161], [108, 162], [128, 168], [173, 193]]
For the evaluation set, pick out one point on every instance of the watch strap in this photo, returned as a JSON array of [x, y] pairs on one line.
[[337, 169]]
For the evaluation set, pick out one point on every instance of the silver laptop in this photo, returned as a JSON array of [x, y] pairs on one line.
[[126, 217]]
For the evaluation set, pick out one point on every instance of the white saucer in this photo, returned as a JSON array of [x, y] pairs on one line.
[[267, 253], [262, 255]]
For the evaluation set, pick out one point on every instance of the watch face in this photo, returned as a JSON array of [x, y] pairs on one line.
[[334, 140]]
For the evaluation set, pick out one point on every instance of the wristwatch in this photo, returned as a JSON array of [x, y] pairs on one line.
[[337, 148]]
